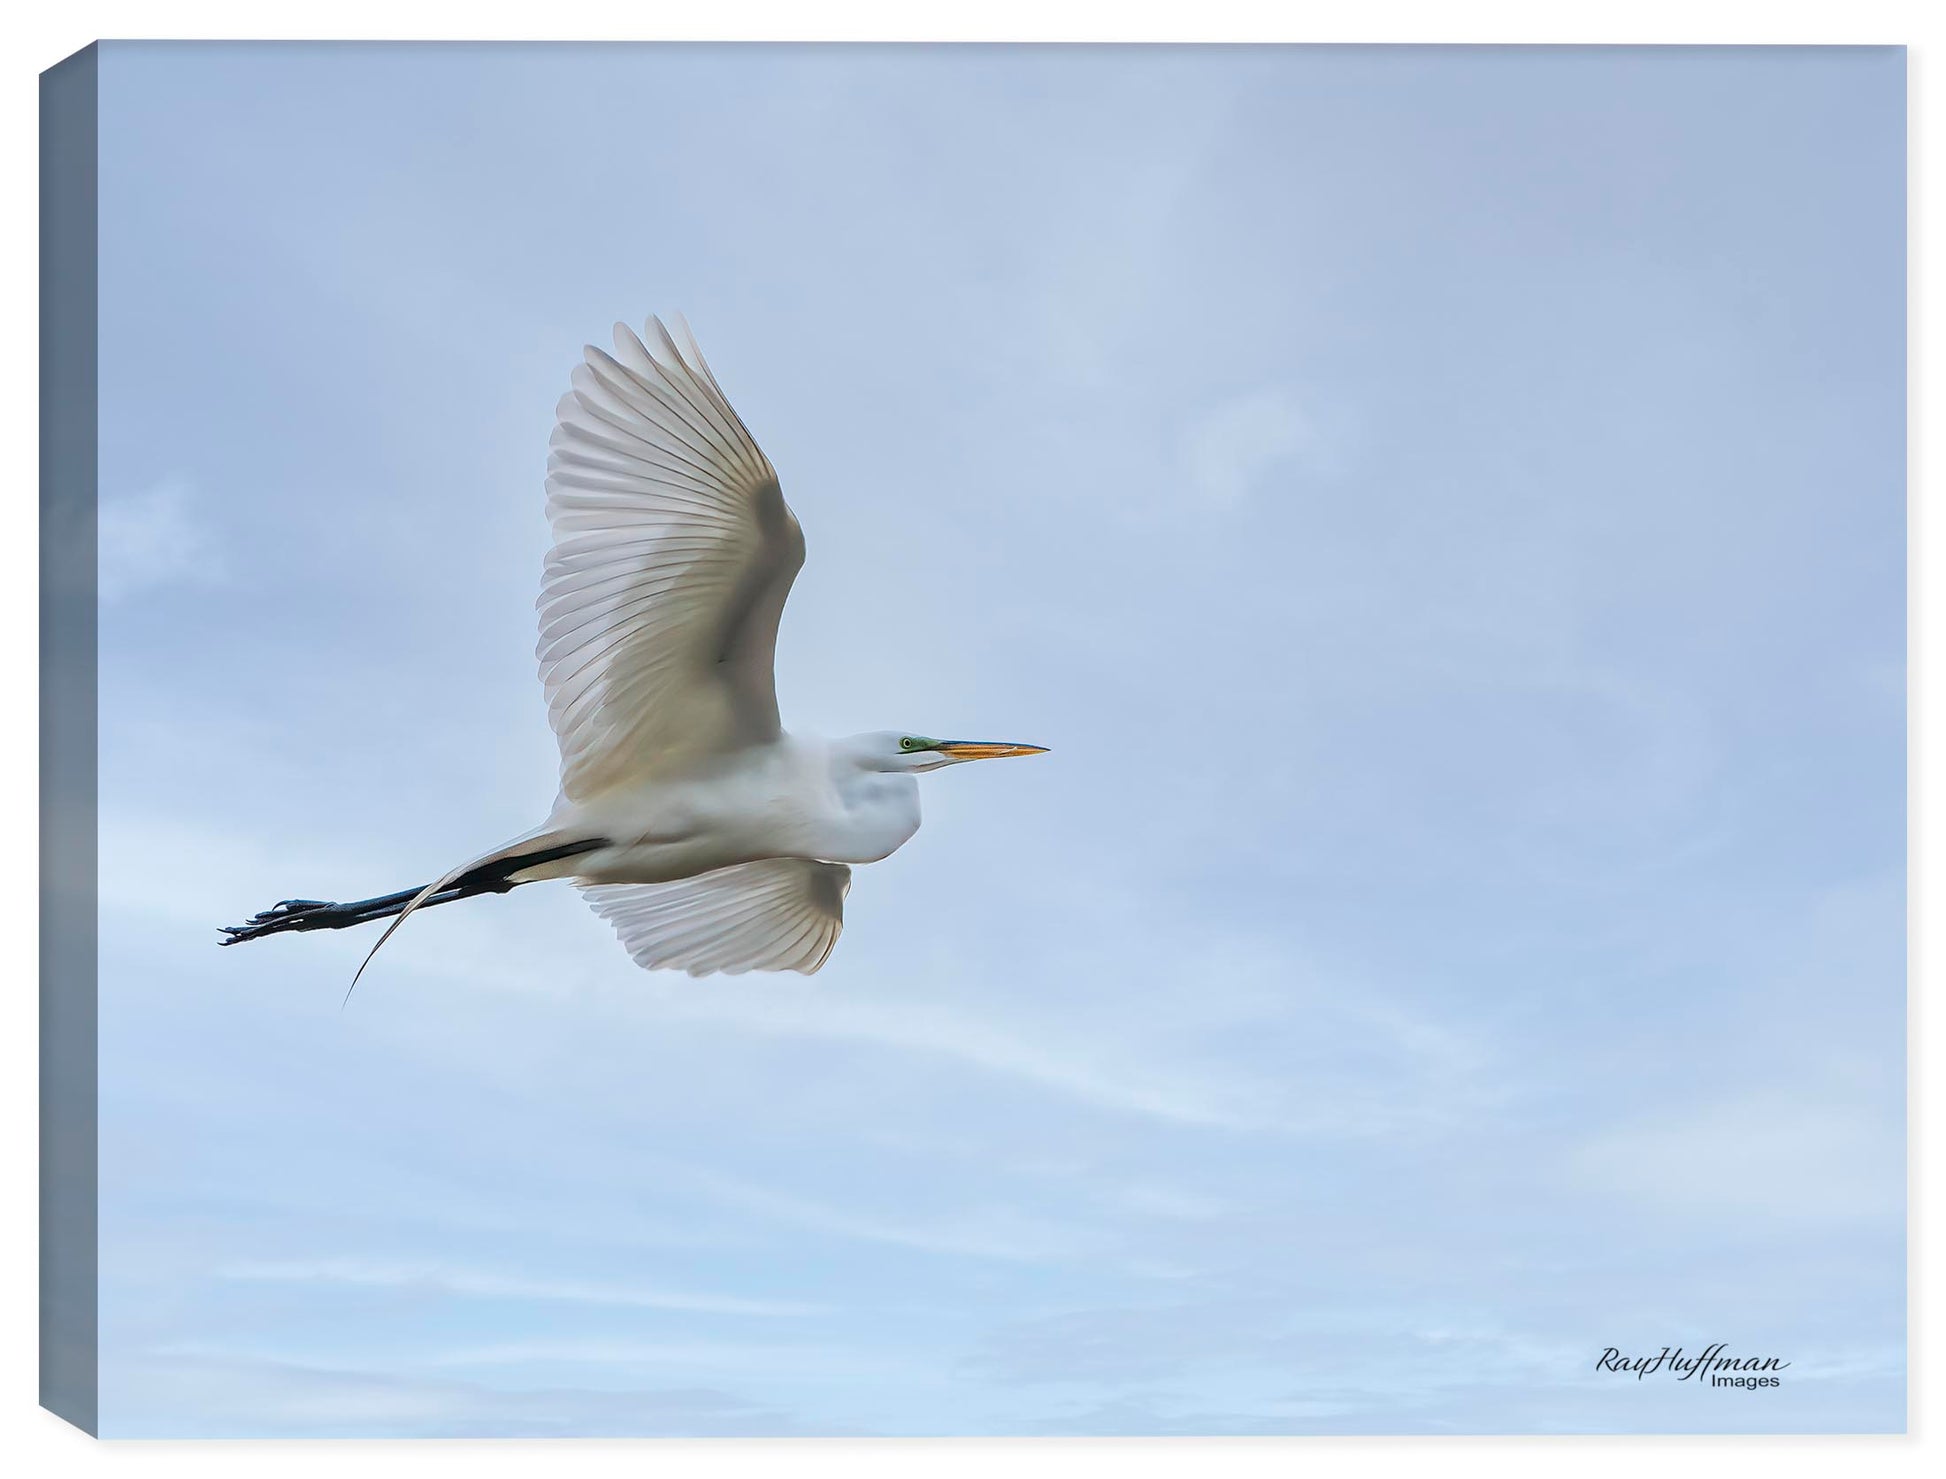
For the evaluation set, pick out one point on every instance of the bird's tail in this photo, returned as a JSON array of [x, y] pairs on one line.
[[499, 865]]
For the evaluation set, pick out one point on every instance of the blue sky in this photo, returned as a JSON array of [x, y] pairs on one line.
[[1444, 510]]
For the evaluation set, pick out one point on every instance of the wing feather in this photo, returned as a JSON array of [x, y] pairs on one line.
[[780, 914], [673, 555]]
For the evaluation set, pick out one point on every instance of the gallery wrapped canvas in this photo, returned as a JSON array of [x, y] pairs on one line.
[[1424, 527]]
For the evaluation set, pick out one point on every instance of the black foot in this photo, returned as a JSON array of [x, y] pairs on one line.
[[290, 914]]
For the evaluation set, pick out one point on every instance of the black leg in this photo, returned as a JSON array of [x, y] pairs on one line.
[[316, 914], [310, 914]]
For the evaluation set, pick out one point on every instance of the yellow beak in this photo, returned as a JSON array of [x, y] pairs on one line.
[[982, 750]]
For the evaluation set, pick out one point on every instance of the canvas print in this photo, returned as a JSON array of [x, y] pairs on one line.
[[536, 536]]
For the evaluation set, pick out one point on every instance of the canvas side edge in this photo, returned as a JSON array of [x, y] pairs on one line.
[[69, 1141]]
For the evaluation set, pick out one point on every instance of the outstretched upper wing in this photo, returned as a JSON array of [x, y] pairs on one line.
[[673, 554], [780, 914]]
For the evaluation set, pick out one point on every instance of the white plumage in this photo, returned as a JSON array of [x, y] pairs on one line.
[[673, 553], [708, 836], [780, 914]]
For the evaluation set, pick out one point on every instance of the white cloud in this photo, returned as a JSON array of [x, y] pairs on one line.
[[1226, 452], [151, 539], [250, 1394], [1171, 1203], [1805, 1158], [1086, 1071], [989, 1232], [485, 1284], [689, 1356]]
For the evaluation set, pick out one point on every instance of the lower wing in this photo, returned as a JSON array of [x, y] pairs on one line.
[[779, 914]]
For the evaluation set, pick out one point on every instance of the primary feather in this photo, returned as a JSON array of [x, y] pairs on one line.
[[673, 554]]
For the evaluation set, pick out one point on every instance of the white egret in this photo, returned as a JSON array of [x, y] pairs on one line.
[[708, 836]]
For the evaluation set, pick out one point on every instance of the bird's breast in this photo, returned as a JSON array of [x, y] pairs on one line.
[[774, 806], [874, 816]]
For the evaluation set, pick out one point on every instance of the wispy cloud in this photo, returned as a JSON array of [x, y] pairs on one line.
[[1142, 1047], [981, 1232], [1229, 451], [1805, 1157], [193, 1390], [154, 538], [1086, 1072], [486, 1284], [694, 1356]]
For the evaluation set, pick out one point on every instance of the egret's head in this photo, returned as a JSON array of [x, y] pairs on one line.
[[895, 750]]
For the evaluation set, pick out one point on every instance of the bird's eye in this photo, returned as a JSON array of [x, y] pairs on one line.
[[908, 743]]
